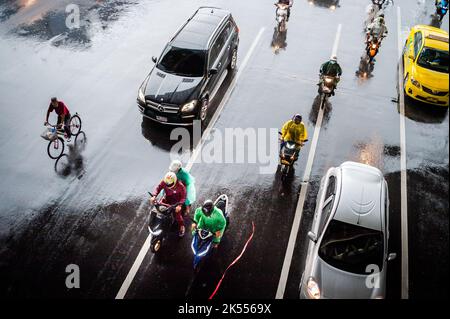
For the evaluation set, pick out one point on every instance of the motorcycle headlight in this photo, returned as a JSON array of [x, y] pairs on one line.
[[328, 80], [189, 107], [415, 83], [313, 289]]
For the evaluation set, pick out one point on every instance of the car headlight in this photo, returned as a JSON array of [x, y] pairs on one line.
[[313, 289], [189, 107], [415, 82], [141, 95], [141, 92]]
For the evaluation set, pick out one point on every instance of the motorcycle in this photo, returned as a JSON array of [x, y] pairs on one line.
[[278, 41], [365, 67], [202, 240], [373, 46], [281, 16], [288, 156], [326, 88], [441, 10], [160, 223]]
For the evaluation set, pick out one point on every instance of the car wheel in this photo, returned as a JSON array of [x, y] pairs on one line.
[[405, 81], [233, 62], [203, 109]]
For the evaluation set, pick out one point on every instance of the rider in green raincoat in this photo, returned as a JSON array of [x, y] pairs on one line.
[[188, 180], [211, 218]]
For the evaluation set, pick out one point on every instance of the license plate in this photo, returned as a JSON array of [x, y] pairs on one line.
[[161, 118]]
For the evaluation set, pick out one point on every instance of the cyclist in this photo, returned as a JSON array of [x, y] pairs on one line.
[[63, 116]]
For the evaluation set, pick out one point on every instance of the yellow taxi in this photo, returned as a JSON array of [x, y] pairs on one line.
[[425, 65]]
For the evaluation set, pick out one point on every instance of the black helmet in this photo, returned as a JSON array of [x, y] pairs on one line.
[[207, 207], [54, 99], [297, 117]]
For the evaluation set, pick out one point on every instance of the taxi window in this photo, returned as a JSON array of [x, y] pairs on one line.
[[417, 43]]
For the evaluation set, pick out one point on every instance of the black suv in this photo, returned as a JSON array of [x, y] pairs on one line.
[[191, 68]]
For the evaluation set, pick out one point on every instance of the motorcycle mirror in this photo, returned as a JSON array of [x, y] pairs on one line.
[[279, 133], [154, 59]]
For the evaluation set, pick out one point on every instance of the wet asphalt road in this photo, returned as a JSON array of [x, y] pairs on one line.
[[96, 216]]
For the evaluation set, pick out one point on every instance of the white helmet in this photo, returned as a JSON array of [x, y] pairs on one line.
[[175, 166], [170, 179], [334, 58]]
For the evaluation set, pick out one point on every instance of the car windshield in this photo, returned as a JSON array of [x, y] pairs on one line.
[[433, 59], [352, 248], [183, 62]]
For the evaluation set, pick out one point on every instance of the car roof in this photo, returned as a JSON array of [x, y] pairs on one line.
[[434, 37], [360, 201], [196, 33]]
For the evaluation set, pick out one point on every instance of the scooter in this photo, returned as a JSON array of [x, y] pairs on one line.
[[441, 10], [373, 47], [288, 156], [365, 67], [326, 88], [202, 240], [281, 16], [160, 223]]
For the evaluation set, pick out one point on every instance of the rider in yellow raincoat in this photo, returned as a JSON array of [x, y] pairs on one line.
[[294, 131]]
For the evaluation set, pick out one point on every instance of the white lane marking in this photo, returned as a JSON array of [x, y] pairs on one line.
[[198, 147], [134, 269], [403, 175], [301, 201], [336, 41], [137, 263]]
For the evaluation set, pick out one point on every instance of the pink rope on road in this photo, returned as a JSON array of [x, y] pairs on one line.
[[235, 261]]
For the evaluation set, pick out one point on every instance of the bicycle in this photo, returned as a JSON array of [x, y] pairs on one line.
[[56, 145]]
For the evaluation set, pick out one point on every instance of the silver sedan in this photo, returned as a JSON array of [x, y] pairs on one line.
[[348, 249]]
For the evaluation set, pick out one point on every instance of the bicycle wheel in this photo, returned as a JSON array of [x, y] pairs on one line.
[[75, 125], [62, 165], [80, 141], [55, 148]]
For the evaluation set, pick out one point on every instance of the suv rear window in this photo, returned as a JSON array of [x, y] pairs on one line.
[[183, 62], [351, 248]]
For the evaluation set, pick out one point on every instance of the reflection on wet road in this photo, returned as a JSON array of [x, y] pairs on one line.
[[96, 216]]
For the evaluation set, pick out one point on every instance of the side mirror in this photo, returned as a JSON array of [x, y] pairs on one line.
[[312, 236], [213, 72], [154, 59], [391, 256]]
